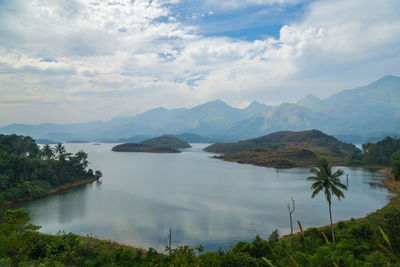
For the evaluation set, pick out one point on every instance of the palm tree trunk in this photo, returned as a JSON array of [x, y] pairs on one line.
[[330, 215]]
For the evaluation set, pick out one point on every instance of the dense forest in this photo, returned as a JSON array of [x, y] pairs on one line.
[[27, 171], [383, 153]]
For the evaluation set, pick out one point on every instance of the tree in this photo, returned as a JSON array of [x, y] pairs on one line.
[[330, 182], [98, 174], [47, 152], [60, 150], [16, 230], [291, 210], [396, 170], [81, 156]]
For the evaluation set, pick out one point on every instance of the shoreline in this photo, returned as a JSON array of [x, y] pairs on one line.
[[51, 192], [382, 169], [391, 185], [115, 243]]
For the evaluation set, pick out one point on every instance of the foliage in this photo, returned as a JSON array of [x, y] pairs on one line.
[[26, 171], [396, 170], [328, 181], [166, 141], [383, 152]]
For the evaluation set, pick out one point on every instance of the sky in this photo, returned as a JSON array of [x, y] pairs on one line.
[[69, 61]]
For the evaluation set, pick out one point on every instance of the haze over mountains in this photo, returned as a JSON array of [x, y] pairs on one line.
[[351, 115]]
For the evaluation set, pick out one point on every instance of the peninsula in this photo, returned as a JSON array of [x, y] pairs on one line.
[[287, 149]]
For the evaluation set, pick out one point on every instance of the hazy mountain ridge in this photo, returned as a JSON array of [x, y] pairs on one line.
[[363, 112], [360, 113]]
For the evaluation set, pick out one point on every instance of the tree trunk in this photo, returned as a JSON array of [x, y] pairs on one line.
[[330, 215]]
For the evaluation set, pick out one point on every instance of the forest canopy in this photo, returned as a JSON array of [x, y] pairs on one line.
[[28, 171]]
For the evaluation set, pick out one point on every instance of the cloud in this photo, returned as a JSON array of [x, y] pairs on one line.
[[239, 4], [122, 57]]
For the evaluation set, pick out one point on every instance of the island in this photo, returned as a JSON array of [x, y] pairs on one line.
[[161, 144], [166, 141], [286, 149]]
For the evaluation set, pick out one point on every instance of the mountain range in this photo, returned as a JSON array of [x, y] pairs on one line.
[[352, 115]]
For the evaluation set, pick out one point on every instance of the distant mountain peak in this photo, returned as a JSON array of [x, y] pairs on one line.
[[390, 77], [256, 107], [255, 103], [387, 79], [310, 102], [215, 103]]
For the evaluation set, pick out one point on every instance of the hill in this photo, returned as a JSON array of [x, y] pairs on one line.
[[133, 147], [286, 149], [166, 141]]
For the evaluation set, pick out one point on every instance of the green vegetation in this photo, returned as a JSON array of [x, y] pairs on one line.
[[27, 172], [329, 182], [166, 141], [286, 149], [162, 144], [383, 153], [396, 170], [133, 147]]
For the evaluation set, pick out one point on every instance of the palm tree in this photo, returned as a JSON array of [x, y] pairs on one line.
[[325, 180], [60, 150], [47, 152]]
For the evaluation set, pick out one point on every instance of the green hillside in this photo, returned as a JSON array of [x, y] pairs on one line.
[[29, 172], [133, 147], [166, 141], [286, 149]]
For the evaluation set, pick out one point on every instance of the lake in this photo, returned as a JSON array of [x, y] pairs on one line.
[[205, 201]]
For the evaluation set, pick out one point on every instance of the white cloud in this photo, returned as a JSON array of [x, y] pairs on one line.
[[122, 57], [237, 4]]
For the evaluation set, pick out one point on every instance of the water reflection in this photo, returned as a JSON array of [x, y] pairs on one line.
[[205, 201]]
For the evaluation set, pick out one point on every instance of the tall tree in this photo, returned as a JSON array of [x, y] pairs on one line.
[[329, 182], [60, 150], [47, 152]]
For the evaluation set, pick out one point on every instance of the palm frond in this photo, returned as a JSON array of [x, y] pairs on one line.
[[386, 250], [336, 192], [267, 261], [316, 191], [385, 237]]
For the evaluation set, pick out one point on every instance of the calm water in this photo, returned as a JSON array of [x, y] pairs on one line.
[[205, 201]]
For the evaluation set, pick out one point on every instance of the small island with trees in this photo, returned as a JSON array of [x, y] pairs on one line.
[[161, 144]]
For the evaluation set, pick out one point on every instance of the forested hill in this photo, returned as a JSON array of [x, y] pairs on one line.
[[166, 141], [288, 149], [313, 140], [26, 171]]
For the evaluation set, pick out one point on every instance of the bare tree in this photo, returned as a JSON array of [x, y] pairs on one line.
[[291, 210], [169, 239]]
